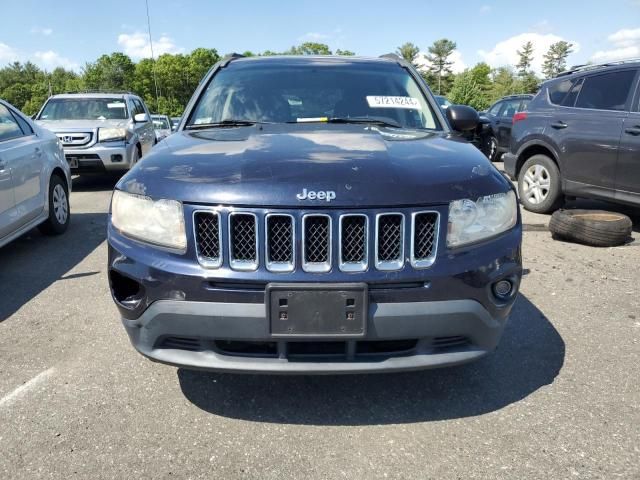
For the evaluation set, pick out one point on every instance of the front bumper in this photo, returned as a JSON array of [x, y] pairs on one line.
[[202, 335], [101, 157], [188, 316], [510, 161]]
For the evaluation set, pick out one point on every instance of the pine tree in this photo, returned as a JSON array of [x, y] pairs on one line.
[[555, 60], [438, 58], [526, 58]]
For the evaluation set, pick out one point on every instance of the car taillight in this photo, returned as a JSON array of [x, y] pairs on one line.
[[519, 116]]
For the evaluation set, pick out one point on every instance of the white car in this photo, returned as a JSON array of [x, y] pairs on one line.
[[35, 179], [162, 126]]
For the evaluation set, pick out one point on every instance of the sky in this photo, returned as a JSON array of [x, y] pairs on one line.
[[66, 33]]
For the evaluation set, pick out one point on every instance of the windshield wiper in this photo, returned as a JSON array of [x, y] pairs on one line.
[[223, 123], [384, 121]]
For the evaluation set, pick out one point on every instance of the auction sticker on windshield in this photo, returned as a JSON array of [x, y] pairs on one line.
[[115, 105], [376, 101]]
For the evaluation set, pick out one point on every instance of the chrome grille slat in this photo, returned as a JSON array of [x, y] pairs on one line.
[[206, 227], [316, 243], [280, 242], [389, 241], [243, 241], [424, 238], [353, 242]]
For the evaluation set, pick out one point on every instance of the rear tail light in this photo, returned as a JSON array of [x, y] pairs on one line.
[[519, 116]]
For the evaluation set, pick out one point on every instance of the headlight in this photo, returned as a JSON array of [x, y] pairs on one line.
[[112, 134], [471, 221], [160, 222]]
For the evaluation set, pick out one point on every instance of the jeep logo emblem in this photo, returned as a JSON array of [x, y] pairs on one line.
[[327, 195]]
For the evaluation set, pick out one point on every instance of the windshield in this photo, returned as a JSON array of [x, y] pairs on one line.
[[161, 123], [313, 91], [84, 109]]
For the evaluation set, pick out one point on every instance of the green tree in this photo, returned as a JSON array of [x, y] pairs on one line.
[[110, 72], [346, 53], [466, 91], [504, 83], [409, 51], [439, 59], [555, 60], [309, 48], [525, 55]]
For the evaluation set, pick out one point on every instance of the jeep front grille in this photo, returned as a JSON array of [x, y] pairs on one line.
[[316, 243], [280, 244], [359, 240], [208, 239], [354, 254], [243, 241], [390, 241], [424, 230]]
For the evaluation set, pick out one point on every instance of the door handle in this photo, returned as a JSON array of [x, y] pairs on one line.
[[635, 131], [38, 152], [559, 125]]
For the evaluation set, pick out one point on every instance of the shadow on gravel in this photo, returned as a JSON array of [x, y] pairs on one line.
[[34, 261], [529, 356]]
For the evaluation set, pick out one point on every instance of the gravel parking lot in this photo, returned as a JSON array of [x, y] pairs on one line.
[[560, 398]]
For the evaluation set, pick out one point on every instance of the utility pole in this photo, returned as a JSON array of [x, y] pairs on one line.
[[155, 78]]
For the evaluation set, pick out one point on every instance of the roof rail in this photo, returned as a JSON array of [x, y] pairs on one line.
[[230, 58], [595, 66], [101, 90], [392, 56]]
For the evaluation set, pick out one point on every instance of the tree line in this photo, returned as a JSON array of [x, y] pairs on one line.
[[167, 83]]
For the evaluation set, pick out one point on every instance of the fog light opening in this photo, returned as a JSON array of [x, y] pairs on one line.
[[503, 289], [126, 291], [116, 158]]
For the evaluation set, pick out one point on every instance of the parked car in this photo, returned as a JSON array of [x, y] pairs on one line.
[[162, 126], [443, 101], [35, 179], [359, 235], [496, 136], [100, 132], [579, 137], [175, 121]]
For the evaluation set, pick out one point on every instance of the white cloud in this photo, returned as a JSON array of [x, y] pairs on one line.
[[50, 60], [505, 53], [625, 43], [313, 37], [456, 57], [7, 54], [42, 31], [137, 45]]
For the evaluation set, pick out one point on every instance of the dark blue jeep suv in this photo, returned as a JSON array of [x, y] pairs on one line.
[[315, 215]]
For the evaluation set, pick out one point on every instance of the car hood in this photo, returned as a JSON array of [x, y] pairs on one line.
[[269, 165], [76, 125]]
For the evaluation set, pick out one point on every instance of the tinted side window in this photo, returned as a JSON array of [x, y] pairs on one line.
[[494, 110], [570, 99], [9, 128], [24, 126], [606, 92], [559, 90], [524, 105], [510, 108]]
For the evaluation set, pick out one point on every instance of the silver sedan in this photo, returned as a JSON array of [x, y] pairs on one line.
[[35, 179]]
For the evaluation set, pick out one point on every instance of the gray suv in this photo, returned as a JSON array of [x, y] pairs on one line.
[[579, 137], [100, 132]]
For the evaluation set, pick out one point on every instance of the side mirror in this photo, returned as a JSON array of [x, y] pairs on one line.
[[141, 118], [462, 118]]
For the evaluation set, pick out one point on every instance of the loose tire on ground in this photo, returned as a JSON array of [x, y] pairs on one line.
[[597, 228], [540, 185], [59, 210]]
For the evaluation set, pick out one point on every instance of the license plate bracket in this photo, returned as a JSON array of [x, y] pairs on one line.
[[336, 310], [73, 162]]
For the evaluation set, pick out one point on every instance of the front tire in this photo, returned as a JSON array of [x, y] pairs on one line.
[[540, 185], [491, 149], [59, 210]]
